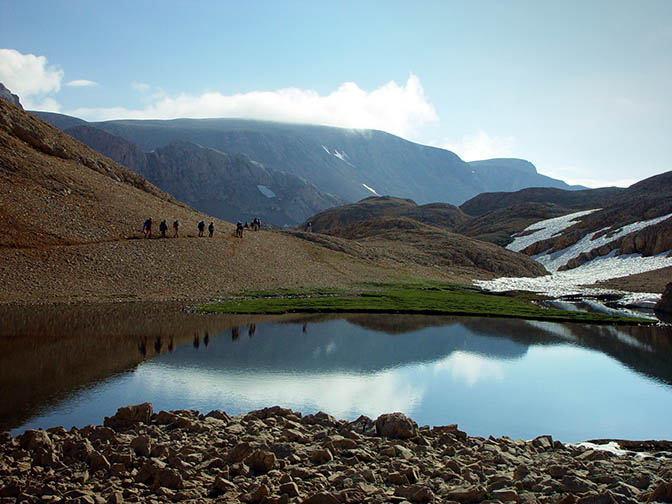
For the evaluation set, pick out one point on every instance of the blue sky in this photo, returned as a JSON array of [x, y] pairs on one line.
[[581, 88]]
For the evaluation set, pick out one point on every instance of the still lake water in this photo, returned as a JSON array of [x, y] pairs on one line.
[[517, 378]]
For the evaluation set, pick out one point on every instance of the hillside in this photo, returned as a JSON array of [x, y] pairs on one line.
[[401, 230], [228, 187], [350, 164], [72, 233]]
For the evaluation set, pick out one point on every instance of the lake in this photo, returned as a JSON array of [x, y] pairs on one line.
[[72, 366]]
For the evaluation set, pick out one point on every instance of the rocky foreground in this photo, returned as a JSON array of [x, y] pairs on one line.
[[275, 455]]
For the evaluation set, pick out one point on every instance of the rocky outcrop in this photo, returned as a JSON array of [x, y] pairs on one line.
[[276, 455], [6, 94], [664, 305]]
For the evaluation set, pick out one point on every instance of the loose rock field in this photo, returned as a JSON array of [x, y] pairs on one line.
[[276, 455]]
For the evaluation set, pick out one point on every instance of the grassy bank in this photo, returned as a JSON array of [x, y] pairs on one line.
[[423, 297]]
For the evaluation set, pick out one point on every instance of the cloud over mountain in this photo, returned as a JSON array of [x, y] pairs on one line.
[[398, 109], [31, 77]]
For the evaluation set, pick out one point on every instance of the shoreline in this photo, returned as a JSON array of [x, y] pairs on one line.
[[276, 455]]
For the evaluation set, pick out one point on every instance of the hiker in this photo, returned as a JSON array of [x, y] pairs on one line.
[[256, 224], [211, 229], [176, 226], [147, 228], [239, 229], [163, 227], [247, 226], [309, 227], [201, 228]]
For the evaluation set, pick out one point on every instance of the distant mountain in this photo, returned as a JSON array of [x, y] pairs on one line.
[[350, 164], [228, 187]]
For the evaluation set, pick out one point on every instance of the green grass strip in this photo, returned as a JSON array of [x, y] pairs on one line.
[[428, 298]]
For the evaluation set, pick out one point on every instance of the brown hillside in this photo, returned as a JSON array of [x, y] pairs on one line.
[[72, 222]]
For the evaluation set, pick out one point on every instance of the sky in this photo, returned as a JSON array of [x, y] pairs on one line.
[[581, 88]]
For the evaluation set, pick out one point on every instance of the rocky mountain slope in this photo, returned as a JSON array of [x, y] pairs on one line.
[[228, 187], [350, 164]]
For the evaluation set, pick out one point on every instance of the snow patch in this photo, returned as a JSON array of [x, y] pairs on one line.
[[546, 229], [371, 189], [266, 191], [555, 260]]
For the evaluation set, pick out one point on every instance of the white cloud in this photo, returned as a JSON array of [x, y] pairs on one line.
[[28, 75], [481, 145], [398, 109], [81, 83], [141, 86]]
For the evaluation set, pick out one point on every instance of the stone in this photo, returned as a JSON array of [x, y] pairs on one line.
[[574, 484], [261, 461], [98, 461], [663, 492], [321, 456], [395, 425], [240, 452], [556, 471], [505, 495], [115, 498], [321, 498], [403, 452], [256, 494], [35, 439], [468, 494], [362, 425], [128, 416], [543, 442], [290, 489], [397, 478], [168, 478], [142, 445]]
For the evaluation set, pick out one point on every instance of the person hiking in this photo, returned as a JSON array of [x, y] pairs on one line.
[[309, 227], [176, 227], [239, 229], [163, 227], [147, 228], [201, 228], [256, 224], [211, 229]]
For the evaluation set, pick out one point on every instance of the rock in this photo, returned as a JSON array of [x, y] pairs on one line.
[[395, 425], [397, 478], [115, 498], [469, 494], [320, 418], [98, 461], [543, 442], [362, 425], [220, 415], [664, 305], [240, 452], [556, 471], [321, 456], [574, 484], [257, 494], [128, 416], [261, 461], [403, 452], [223, 485], [35, 439], [321, 498], [663, 492], [290, 489], [505, 495], [168, 478], [415, 493], [142, 445]]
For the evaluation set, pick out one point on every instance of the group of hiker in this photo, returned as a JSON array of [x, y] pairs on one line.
[[256, 224], [163, 228]]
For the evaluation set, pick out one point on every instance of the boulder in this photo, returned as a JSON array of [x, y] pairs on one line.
[[396, 425], [128, 416], [261, 461]]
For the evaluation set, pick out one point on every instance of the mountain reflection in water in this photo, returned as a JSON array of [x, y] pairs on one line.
[[493, 376]]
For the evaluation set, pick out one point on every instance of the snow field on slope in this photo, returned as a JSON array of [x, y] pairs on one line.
[[545, 229], [570, 282]]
